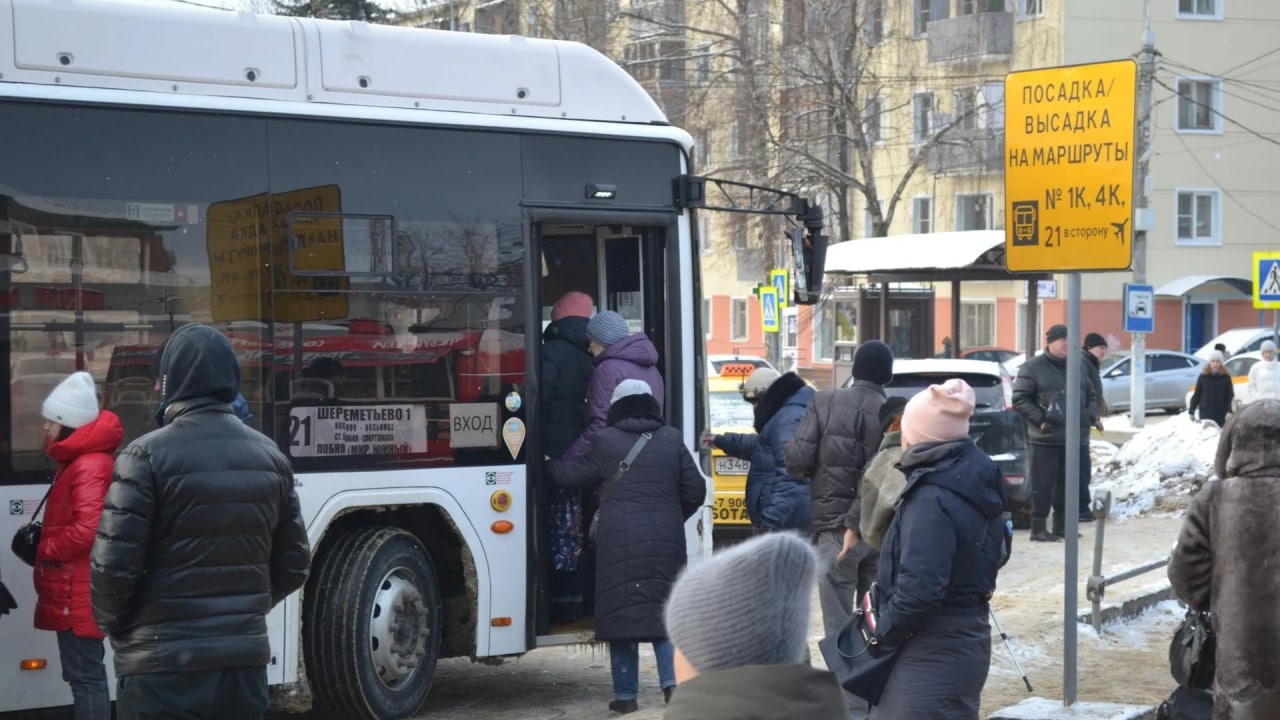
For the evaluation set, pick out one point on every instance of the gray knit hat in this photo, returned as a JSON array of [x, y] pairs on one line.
[[607, 328], [748, 605]]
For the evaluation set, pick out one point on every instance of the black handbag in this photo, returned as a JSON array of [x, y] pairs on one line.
[[1193, 651], [27, 539], [857, 658]]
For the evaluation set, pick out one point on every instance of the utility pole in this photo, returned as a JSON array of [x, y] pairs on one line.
[[1143, 217]]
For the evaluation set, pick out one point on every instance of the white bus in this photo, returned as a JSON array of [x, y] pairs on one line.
[[380, 219]]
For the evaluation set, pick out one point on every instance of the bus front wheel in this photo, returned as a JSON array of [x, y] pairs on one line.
[[371, 625]]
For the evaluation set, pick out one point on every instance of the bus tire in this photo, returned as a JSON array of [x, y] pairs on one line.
[[371, 625]]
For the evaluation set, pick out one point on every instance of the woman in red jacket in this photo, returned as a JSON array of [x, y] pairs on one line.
[[82, 441]]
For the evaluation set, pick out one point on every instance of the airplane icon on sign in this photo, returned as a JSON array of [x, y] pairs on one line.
[[1119, 228]]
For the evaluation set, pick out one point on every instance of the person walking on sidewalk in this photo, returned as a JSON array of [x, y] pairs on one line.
[[1214, 393], [201, 535], [1040, 397], [1264, 376]]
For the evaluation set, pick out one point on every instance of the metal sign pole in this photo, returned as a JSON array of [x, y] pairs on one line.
[[1071, 494]]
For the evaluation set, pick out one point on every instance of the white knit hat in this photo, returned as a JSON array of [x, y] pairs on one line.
[[74, 403], [627, 388]]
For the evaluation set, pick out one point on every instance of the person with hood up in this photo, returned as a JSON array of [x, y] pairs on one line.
[[201, 535], [618, 355], [1264, 376], [883, 482], [566, 374], [740, 626], [775, 499], [82, 440], [1214, 393], [239, 405], [1222, 563], [939, 563], [649, 486]]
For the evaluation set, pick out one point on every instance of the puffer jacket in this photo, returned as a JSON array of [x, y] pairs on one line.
[[631, 358], [943, 549], [832, 446], [566, 373], [882, 485], [1222, 563], [775, 499], [1264, 380], [1041, 387], [70, 522], [201, 532], [640, 548]]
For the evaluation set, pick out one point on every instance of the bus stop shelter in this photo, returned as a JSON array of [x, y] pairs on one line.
[[954, 257]]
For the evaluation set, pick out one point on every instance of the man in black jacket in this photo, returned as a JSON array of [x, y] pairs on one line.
[[201, 535], [1039, 396]]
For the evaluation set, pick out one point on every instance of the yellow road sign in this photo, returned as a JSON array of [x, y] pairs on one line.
[[1070, 138]]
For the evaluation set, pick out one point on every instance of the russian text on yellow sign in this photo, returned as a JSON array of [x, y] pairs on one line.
[[1264, 282], [1070, 137]]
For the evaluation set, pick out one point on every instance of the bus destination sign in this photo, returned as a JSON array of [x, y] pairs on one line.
[[329, 431]]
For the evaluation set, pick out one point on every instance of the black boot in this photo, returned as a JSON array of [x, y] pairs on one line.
[[666, 694], [1040, 534], [624, 707], [1059, 525]]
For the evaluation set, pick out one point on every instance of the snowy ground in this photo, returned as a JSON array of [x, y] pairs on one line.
[[1158, 469]]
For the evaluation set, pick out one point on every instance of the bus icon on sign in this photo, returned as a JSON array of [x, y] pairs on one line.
[[1026, 222]]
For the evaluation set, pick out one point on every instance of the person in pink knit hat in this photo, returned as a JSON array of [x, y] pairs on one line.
[[939, 562]]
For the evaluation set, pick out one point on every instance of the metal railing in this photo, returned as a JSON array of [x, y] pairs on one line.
[[1096, 590]]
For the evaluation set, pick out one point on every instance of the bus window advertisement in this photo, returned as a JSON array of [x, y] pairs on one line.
[[364, 430]]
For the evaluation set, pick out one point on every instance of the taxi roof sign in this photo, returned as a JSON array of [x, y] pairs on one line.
[[1070, 138], [737, 370]]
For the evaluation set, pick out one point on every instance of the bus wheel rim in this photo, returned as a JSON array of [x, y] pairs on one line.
[[398, 629]]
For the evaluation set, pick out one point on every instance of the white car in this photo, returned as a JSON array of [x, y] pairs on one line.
[[1239, 341], [1238, 367], [736, 364]]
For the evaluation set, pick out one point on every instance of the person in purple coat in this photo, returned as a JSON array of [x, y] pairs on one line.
[[619, 355]]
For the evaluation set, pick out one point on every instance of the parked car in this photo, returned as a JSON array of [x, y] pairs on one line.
[[1168, 374], [1238, 341], [738, 366], [996, 427], [1238, 367], [990, 354], [729, 414]]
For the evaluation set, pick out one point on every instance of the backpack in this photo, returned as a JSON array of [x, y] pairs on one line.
[[1186, 704]]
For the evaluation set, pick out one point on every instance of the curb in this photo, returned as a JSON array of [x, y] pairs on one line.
[[1129, 608]]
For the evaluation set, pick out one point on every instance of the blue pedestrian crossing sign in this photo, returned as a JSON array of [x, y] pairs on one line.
[[1139, 308], [781, 280], [1266, 280], [769, 309]]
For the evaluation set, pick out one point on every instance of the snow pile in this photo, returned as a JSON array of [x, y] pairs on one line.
[[1160, 468]]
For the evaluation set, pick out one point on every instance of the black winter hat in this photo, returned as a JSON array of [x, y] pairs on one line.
[[1057, 332], [1093, 340], [891, 409], [873, 362]]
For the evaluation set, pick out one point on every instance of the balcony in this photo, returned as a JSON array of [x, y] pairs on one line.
[[964, 151], [970, 38]]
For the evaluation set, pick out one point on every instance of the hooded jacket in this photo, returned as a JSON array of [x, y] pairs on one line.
[[1264, 380], [1222, 563], [71, 515], [566, 373], [832, 446], [201, 532], [760, 692], [944, 546], [775, 499], [631, 358], [1040, 395]]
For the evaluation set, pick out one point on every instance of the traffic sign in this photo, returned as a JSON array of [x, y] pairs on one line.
[[1266, 280], [1140, 308], [781, 279], [1070, 140], [769, 309]]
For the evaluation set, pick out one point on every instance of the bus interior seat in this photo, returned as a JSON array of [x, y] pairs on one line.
[[312, 389]]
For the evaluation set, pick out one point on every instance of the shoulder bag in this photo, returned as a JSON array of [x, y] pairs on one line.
[[1193, 651], [623, 467], [27, 539]]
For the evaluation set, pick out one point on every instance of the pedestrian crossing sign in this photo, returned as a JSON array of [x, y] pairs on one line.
[[781, 280], [1266, 280], [769, 309]]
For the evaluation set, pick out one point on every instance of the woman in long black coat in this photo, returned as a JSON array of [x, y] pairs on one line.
[[1214, 392], [640, 546]]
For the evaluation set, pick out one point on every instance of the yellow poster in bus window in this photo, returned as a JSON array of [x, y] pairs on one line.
[[248, 247]]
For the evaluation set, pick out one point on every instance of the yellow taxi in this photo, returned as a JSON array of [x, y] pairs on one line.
[[729, 414]]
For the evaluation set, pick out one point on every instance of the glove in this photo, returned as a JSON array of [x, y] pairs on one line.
[[7, 602]]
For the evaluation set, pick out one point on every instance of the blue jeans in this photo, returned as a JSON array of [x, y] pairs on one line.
[[82, 668], [624, 657]]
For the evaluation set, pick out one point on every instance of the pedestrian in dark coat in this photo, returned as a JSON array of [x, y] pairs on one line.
[[1223, 563], [641, 538], [1215, 391], [939, 563], [566, 373], [201, 535], [82, 441], [775, 499]]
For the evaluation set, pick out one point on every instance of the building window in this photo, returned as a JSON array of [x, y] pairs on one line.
[[921, 114], [927, 11], [1020, 332], [738, 233], [966, 7], [922, 215], [1200, 9], [1200, 217], [703, 142], [869, 223], [706, 318], [991, 115], [973, 212], [873, 121], [1030, 8], [1200, 105], [738, 320], [977, 324], [791, 328], [704, 232], [874, 22], [833, 321], [794, 16], [968, 100], [702, 65]]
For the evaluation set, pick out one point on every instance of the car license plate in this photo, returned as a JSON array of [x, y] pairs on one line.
[[732, 466], [731, 510]]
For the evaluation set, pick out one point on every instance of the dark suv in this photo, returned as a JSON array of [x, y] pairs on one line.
[[996, 427]]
